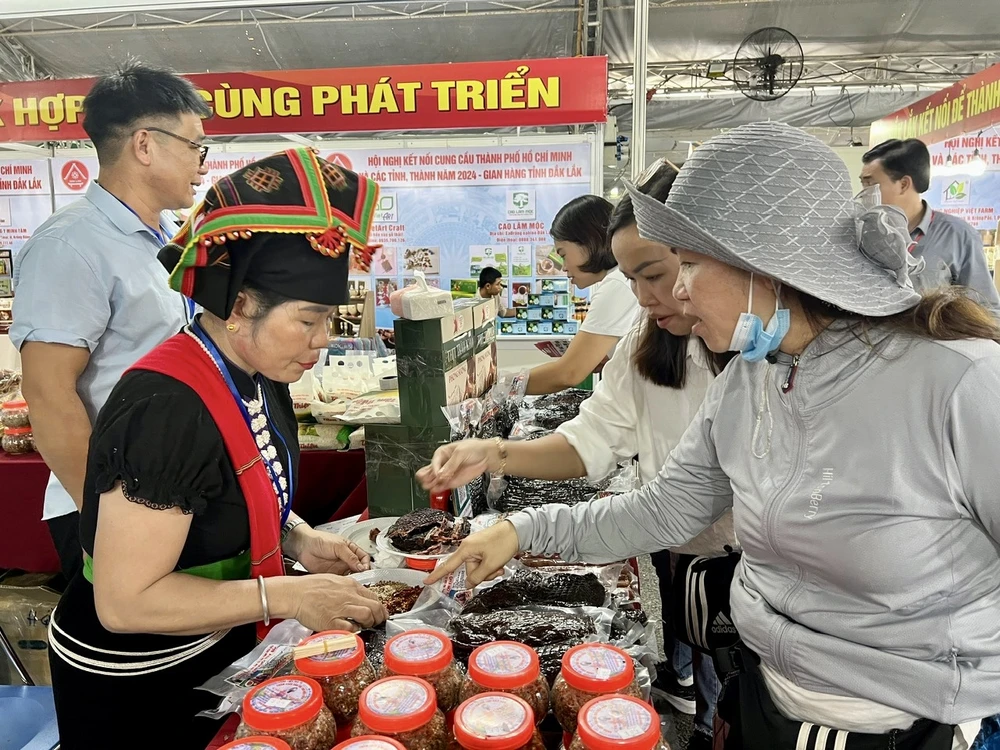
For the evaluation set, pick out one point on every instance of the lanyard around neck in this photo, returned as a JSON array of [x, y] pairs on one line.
[[216, 355]]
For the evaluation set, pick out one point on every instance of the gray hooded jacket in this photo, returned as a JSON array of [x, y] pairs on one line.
[[867, 501]]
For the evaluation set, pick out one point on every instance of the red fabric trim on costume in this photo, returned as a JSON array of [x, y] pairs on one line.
[[183, 359]]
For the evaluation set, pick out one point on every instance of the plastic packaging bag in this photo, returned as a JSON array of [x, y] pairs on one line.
[[271, 658], [378, 407]]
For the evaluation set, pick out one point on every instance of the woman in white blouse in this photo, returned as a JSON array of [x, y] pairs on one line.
[[580, 232], [648, 394]]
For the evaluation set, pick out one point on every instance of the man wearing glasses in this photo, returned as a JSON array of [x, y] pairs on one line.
[[91, 298]]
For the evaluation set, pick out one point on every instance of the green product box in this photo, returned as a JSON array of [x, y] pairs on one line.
[[393, 454], [486, 335], [432, 378], [484, 309], [417, 335]]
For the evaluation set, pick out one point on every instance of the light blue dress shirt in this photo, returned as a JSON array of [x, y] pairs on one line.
[[89, 277]]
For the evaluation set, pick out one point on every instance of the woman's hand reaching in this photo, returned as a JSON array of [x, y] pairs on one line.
[[331, 602], [320, 552], [484, 555], [457, 464]]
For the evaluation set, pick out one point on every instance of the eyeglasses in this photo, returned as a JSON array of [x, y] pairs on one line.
[[202, 149]]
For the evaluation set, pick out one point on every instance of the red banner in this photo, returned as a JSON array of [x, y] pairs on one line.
[[969, 106], [563, 91]]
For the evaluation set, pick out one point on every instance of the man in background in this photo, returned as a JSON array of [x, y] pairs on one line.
[[491, 285], [91, 296], [951, 248]]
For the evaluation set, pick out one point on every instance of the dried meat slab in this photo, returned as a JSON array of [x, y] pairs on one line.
[[428, 531], [530, 587], [396, 597], [525, 626], [550, 633]]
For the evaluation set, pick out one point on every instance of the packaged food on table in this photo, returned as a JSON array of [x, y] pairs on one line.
[[403, 709], [508, 667], [343, 675], [618, 722], [369, 742], [14, 414], [589, 671], [256, 743], [290, 709], [426, 654], [17, 440], [496, 721]]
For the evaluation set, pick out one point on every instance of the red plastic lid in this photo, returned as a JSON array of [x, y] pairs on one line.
[[282, 703], [17, 431], [11, 405], [370, 742], [417, 564], [597, 668], [397, 704], [618, 722], [494, 721], [418, 652], [334, 663], [504, 665], [257, 743]]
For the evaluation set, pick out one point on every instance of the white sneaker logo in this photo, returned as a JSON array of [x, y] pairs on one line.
[[723, 625]]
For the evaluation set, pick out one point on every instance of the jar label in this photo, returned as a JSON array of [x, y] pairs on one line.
[[281, 696], [253, 745], [618, 719], [597, 663], [371, 745], [416, 647], [493, 716], [503, 659], [397, 697]]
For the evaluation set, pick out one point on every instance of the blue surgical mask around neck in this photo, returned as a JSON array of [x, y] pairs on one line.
[[751, 338]]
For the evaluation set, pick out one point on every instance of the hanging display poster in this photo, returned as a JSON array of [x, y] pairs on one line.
[[25, 200], [445, 211], [449, 212], [965, 181]]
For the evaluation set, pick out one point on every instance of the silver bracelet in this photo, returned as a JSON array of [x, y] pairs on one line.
[[289, 525], [263, 600]]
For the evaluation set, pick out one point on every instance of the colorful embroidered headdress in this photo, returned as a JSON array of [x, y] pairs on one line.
[[289, 223]]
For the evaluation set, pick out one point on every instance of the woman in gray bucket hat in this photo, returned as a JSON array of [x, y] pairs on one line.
[[854, 439]]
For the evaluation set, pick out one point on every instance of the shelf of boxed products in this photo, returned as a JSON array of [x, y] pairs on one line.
[[551, 310]]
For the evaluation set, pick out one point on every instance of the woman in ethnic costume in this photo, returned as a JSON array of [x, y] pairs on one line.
[[193, 465]]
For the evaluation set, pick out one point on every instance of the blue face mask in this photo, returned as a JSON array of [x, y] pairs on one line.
[[752, 339]]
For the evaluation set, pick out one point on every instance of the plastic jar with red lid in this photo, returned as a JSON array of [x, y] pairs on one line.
[[508, 667], [403, 709], [496, 721], [426, 654], [618, 722], [17, 441], [589, 671], [14, 414], [290, 709], [343, 675], [256, 743], [369, 742]]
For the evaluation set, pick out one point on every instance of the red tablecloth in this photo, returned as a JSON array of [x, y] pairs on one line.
[[24, 538], [331, 486]]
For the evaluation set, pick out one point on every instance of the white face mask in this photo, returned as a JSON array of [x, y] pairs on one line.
[[751, 338]]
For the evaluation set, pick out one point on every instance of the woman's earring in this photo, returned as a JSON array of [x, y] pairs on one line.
[[231, 327]]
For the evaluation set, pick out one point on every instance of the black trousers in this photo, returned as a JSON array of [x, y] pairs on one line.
[[754, 722], [65, 533]]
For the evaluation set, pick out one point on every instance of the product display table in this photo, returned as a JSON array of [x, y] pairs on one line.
[[331, 486]]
